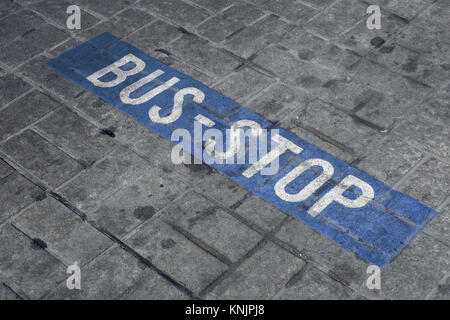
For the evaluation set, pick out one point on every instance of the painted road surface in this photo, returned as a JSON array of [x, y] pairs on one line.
[[347, 205]]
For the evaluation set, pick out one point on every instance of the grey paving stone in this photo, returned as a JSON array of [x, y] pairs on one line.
[[105, 7], [243, 84], [259, 277], [287, 66], [65, 46], [243, 11], [117, 170], [304, 42], [129, 207], [219, 27], [429, 183], [212, 225], [416, 271], [177, 11], [383, 80], [11, 87], [342, 264], [155, 289], [156, 148], [214, 5], [121, 24], [16, 193], [37, 70], [336, 58], [395, 95], [31, 107], [27, 266], [5, 169], [424, 133], [80, 138], [55, 10], [421, 37], [123, 126], [65, 234], [405, 8], [391, 160], [7, 294], [153, 36], [92, 105], [41, 158], [442, 291], [319, 4], [337, 18], [411, 64], [188, 69], [325, 143], [435, 18], [38, 37], [439, 227], [313, 284], [25, 2], [438, 106], [260, 213], [110, 276], [17, 24], [312, 48], [362, 40], [8, 7], [334, 125], [159, 149], [277, 101], [198, 52], [249, 40], [351, 94], [295, 11], [175, 255], [115, 192], [222, 189]]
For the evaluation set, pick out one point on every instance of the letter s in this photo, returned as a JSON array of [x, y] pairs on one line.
[[153, 113]]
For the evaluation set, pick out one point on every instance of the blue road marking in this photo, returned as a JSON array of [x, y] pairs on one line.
[[376, 231]]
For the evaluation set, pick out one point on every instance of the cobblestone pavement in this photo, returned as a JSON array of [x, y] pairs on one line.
[[82, 182]]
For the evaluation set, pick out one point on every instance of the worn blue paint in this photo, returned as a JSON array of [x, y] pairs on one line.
[[377, 232]]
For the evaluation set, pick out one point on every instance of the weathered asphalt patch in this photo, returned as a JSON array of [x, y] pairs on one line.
[[352, 208]]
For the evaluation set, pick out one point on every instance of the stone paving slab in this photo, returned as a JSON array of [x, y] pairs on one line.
[[82, 182], [313, 284], [260, 276]]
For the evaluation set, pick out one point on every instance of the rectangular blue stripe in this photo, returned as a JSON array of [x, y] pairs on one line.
[[377, 232]]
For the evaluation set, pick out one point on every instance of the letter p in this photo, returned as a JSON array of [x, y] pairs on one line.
[[337, 194]]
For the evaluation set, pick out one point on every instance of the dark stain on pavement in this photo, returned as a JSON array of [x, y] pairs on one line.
[[410, 66], [37, 243], [387, 49], [199, 215], [108, 132], [39, 195], [144, 213], [168, 243], [377, 42]]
